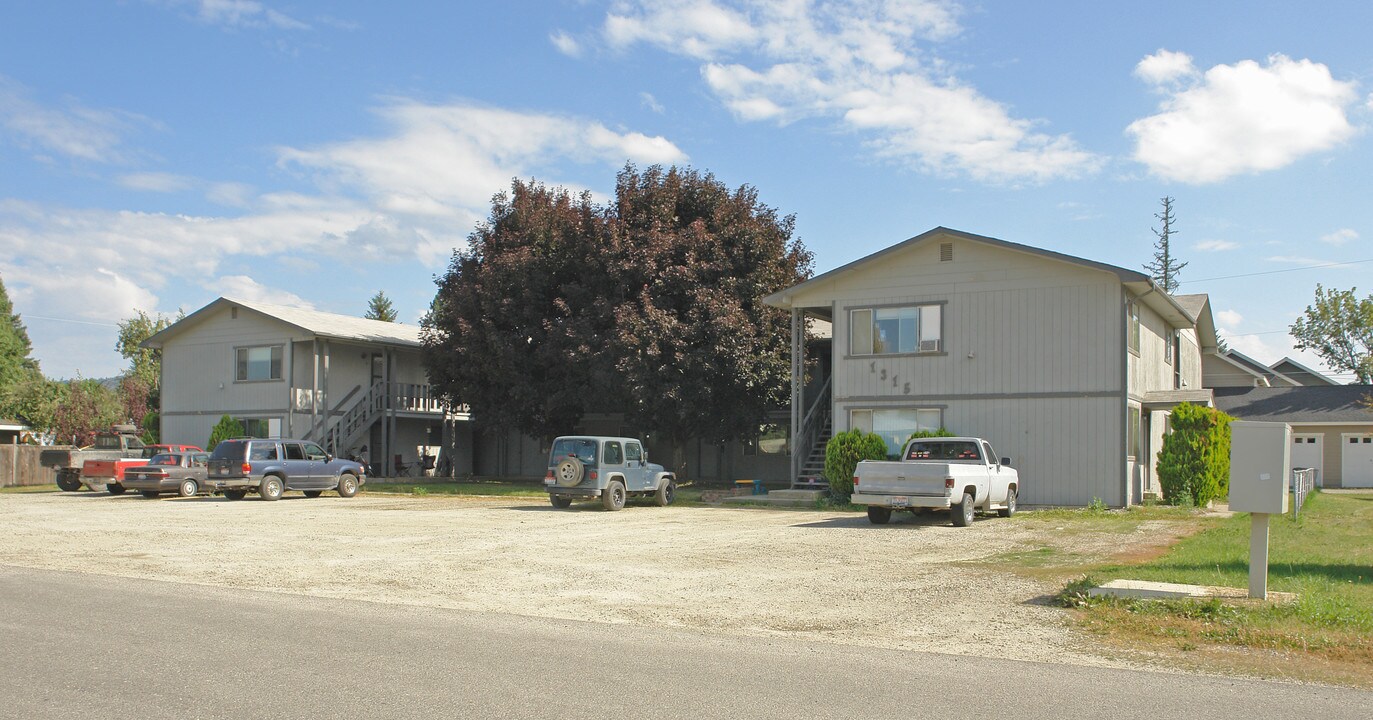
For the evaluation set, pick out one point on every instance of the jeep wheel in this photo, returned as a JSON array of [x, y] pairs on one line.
[[68, 481], [962, 511], [235, 494], [188, 488], [613, 497], [150, 494], [667, 492], [114, 489], [313, 493], [271, 488], [569, 472], [347, 485], [878, 515], [560, 502]]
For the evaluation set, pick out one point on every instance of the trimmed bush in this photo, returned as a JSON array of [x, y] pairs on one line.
[[941, 432], [225, 429], [1194, 465], [842, 454]]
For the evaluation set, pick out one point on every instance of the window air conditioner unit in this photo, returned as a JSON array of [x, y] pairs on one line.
[[929, 346]]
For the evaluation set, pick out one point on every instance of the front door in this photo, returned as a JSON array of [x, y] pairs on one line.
[[634, 465], [1356, 460]]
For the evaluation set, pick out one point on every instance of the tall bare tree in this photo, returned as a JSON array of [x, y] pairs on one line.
[[1165, 267]]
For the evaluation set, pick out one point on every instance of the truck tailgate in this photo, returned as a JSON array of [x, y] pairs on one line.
[[900, 478], [98, 468]]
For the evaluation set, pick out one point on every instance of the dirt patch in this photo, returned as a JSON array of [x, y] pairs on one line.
[[914, 584]]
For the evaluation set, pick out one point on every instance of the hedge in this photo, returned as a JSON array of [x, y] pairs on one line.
[[842, 454], [1194, 465]]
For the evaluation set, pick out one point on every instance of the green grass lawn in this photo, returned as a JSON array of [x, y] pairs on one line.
[[1325, 558]]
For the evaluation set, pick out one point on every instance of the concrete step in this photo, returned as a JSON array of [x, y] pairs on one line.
[[780, 498]]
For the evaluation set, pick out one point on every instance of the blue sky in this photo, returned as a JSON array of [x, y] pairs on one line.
[[156, 154]]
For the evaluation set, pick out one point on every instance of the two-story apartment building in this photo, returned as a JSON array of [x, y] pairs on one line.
[[1068, 365], [345, 382]]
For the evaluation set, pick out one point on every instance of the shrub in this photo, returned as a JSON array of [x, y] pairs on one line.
[[226, 428], [842, 454], [941, 432], [1194, 465]]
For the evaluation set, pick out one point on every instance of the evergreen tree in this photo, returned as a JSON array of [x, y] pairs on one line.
[[1165, 267], [380, 308], [16, 365]]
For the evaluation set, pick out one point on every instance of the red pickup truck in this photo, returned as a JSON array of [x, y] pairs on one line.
[[110, 473]]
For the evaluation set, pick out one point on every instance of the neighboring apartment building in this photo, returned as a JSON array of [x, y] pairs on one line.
[[1067, 365], [345, 382]]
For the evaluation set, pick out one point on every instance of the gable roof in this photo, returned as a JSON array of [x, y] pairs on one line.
[[1259, 368], [315, 322], [1297, 371], [1198, 306], [1332, 403], [1145, 288]]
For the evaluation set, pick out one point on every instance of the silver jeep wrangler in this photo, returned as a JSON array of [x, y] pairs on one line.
[[610, 468]]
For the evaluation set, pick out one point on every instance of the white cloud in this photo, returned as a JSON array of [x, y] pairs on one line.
[[864, 64], [650, 102], [1242, 118], [155, 182], [566, 44], [1340, 237], [240, 14], [230, 194], [242, 287], [1216, 245], [445, 158], [1229, 319], [75, 131], [1166, 67]]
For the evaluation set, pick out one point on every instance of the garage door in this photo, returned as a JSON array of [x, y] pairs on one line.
[[1307, 451], [1356, 460]]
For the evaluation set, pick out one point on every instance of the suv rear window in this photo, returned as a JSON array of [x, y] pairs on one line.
[[232, 450], [583, 449]]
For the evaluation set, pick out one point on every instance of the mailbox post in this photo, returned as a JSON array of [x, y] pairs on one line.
[[1259, 462]]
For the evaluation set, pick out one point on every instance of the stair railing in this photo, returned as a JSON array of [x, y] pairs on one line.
[[811, 424]]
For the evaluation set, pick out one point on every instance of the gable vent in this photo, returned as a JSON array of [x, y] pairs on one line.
[[945, 252]]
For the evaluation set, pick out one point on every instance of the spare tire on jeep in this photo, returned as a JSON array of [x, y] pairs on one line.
[[569, 472]]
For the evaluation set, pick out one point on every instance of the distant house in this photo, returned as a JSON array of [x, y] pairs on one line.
[[1332, 426], [1300, 373], [1068, 365], [344, 382]]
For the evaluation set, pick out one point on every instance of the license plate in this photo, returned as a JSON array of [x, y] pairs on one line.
[[899, 501]]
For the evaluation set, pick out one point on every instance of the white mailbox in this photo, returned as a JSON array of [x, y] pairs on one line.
[[1259, 465]]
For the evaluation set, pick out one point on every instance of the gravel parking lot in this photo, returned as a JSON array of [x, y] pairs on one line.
[[824, 576]]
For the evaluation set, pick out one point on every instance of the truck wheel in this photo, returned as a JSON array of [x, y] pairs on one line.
[[560, 502], [150, 494], [962, 511], [667, 492], [347, 485], [114, 489], [878, 515], [613, 497], [271, 488], [1009, 510], [68, 481], [313, 493], [235, 494], [188, 488]]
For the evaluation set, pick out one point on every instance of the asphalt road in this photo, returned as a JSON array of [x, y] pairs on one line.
[[88, 646]]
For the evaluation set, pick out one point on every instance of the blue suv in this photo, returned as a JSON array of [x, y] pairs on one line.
[[271, 466]]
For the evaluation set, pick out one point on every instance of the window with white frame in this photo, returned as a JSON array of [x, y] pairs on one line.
[[895, 425], [1132, 308], [261, 427], [895, 330], [1132, 433], [257, 363]]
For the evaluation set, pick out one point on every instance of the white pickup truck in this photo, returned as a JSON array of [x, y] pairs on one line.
[[962, 474]]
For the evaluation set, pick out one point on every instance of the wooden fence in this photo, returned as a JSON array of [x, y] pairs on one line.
[[19, 466]]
